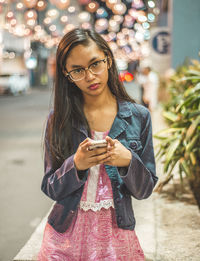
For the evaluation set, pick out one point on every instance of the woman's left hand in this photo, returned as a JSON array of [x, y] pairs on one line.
[[119, 155]]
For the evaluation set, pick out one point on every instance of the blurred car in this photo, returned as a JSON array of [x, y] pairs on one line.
[[14, 84]]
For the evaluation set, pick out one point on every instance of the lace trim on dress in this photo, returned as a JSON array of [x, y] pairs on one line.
[[86, 205]]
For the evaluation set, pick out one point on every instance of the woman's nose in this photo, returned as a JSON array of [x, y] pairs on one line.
[[89, 75]]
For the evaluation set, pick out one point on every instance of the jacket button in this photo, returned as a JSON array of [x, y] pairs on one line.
[[134, 145]]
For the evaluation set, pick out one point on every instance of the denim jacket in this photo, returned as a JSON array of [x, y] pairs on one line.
[[132, 127]]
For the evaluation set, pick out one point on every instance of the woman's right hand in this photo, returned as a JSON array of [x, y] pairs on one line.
[[85, 158]]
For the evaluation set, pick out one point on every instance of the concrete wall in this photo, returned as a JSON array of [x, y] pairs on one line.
[[185, 30]]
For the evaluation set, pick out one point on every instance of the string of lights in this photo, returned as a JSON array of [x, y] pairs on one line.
[[125, 24]]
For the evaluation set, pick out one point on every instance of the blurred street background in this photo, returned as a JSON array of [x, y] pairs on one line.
[[156, 44], [22, 204]]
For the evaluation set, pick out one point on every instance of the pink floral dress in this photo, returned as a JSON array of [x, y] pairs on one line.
[[93, 234]]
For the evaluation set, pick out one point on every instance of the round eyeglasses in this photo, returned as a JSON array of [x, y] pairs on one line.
[[95, 68]]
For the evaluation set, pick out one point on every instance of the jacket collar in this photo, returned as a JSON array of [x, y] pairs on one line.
[[120, 123], [124, 110]]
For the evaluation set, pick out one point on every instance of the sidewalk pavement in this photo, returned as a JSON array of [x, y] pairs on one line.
[[168, 228]]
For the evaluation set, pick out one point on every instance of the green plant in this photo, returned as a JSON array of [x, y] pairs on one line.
[[180, 143]]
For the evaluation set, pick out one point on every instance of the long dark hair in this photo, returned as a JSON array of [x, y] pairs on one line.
[[68, 99]]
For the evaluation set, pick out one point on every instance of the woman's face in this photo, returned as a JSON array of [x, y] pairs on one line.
[[82, 57]]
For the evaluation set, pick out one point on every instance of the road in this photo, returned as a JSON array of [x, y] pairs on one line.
[[23, 205]]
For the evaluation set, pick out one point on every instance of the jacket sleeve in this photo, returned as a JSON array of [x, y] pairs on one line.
[[58, 184], [140, 177]]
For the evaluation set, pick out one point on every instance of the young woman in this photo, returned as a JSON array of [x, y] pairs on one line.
[[93, 218]]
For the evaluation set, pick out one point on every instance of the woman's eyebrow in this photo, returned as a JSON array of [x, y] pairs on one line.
[[90, 61]]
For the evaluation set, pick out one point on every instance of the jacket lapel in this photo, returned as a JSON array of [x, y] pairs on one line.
[[120, 124]]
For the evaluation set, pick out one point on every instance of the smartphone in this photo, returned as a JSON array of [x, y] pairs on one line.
[[97, 144]]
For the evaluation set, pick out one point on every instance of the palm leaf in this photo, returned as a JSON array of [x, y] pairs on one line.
[[193, 158], [195, 72], [168, 130], [189, 78], [170, 116], [184, 166], [192, 128], [170, 153], [192, 143]]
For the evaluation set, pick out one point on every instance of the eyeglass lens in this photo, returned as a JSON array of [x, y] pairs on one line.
[[95, 68]]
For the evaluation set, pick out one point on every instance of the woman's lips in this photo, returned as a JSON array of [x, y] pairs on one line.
[[94, 86]]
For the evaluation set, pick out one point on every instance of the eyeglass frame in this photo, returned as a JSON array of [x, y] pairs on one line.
[[85, 69]]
